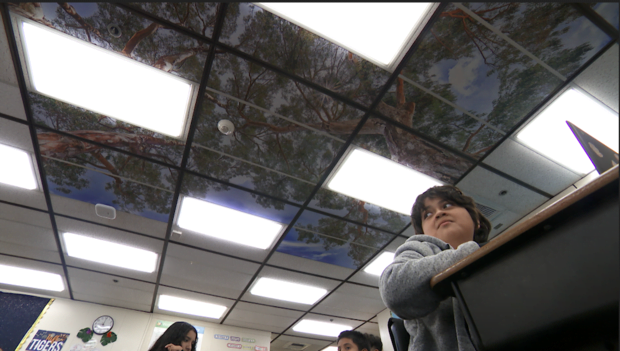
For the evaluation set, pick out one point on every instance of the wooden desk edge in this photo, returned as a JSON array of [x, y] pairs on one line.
[[604, 179]]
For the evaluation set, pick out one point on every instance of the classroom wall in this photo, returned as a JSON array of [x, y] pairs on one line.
[[135, 329]]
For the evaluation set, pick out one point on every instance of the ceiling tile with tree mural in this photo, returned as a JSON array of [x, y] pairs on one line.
[[474, 68], [140, 39], [264, 139], [554, 32], [298, 51], [198, 17]]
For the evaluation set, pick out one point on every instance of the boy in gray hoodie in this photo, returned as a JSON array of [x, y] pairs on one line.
[[448, 227]]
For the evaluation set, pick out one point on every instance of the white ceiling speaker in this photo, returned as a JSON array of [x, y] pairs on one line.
[[226, 127], [105, 211]]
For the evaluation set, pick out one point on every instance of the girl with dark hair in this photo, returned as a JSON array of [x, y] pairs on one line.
[[448, 228], [180, 336]]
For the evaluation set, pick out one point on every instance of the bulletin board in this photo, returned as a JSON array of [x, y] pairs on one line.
[[19, 314]]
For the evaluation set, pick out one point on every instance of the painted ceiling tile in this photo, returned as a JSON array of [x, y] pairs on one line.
[[139, 39], [103, 129], [266, 140], [236, 199], [429, 115], [198, 17], [411, 151], [247, 175], [357, 210], [472, 67], [482, 141], [557, 33], [333, 227], [325, 249], [94, 187], [298, 51]]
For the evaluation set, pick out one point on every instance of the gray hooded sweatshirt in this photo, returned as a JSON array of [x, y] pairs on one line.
[[435, 323]]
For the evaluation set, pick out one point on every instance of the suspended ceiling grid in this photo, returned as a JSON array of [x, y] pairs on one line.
[[475, 75]]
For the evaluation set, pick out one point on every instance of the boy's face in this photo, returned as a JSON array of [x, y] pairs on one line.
[[446, 221]]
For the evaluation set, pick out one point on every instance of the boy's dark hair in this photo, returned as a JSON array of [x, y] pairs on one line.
[[452, 194], [174, 335], [358, 339], [374, 342]]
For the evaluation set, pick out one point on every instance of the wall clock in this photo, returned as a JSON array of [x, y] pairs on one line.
[[103, 325]]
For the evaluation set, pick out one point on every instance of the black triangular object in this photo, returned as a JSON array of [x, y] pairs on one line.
[[601, 156]]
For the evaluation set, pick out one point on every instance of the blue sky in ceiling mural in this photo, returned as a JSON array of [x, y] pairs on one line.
[[99, 188]]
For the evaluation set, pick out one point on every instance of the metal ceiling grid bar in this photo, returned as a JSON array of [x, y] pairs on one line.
[[344, 281], [31, 259], [10, 34], [341, 153], [367, 321], [597, 19], [510, 41], [244, 56], [538, 108], [219, 22], [455, 106], [23, 206], [14, 119]]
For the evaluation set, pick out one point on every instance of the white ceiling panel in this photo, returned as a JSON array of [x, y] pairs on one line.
[[35, 265], [30, 241], [293, 277], [530, 167], [353, 301], [370, 279], [483, 184], [10, 99], [601, 78], [260, 317], [15, 134], [308, 265], [409, 231], [163, 290], [124, 220], [7, 70], [196, 270], [111, 290], [103, 233]]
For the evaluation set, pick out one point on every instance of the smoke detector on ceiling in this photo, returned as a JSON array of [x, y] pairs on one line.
[[296, 346]]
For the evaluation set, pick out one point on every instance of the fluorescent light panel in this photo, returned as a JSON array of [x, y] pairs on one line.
[[287, 291], [192, 307], [110, 253], [105, 82], [320, 328], [375, 179], [17, 169], [30, 278], [227, 224], [379, 32], [377, 266], [549, 134]]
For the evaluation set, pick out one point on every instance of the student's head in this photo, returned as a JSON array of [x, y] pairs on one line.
[[351, 340], [374, 342], [179, 333], [445, 213]]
